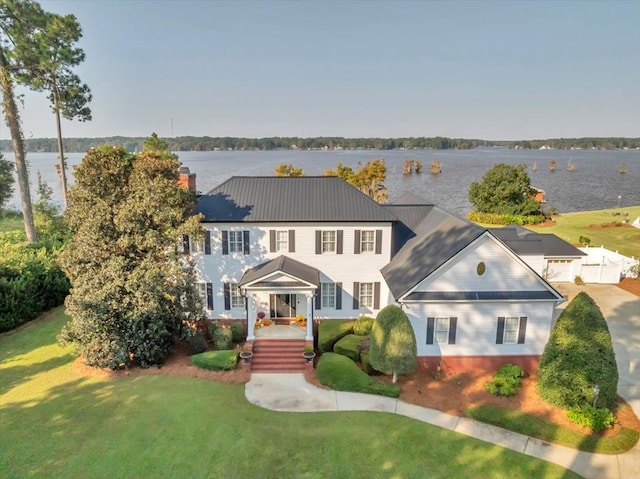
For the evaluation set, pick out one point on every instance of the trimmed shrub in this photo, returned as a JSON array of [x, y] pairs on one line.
[[341, 373], [196, 343], [506, 219], [222, 339], [597, 419], [365, 363], [331, 331], [363, 325], [393, 347], [213, 326], [578, 356], [237, 332], [350, 346], [505, 381], [224, 360], [578, 280]]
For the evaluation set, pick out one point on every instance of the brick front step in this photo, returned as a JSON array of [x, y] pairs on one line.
[[278, 356]]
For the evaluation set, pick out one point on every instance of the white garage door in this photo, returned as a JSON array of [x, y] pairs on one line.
[[560, 270]]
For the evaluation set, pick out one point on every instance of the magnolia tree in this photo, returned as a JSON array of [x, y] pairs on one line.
[[393, 347], [132, 290]]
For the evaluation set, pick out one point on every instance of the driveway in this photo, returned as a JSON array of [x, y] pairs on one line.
[[622, 312]]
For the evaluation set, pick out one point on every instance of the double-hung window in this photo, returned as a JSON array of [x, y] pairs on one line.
[[282, 241], [511, 330], [237, 300], [328, 295], [197, 246], [366, 295], [442, 330], [235, 242], [367, 241], [328, 241]]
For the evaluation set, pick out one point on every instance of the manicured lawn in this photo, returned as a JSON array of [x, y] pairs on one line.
[[536, 427], [570, 226], [57, 423]]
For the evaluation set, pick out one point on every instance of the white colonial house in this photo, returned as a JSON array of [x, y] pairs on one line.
[[319, 248]]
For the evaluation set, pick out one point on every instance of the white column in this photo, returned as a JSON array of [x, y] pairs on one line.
[[251, 318], [309, 317]]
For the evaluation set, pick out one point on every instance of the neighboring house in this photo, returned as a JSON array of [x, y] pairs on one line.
[[317, 247], [551, 257]]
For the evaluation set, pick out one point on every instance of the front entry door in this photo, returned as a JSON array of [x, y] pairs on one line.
[[283, 305]]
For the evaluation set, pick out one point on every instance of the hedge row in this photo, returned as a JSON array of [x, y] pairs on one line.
[[31, 282], [506, 219]]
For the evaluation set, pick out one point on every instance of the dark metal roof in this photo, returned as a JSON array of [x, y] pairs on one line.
[[285, 265], [438, 238], [410, 215], [290, 199], [480, 295], [526, 242]]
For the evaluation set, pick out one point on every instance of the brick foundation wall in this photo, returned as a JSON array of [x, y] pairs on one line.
[[461, 364]]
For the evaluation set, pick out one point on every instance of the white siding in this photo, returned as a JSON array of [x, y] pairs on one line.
[[503, 271], [345, 268], [477, 325]]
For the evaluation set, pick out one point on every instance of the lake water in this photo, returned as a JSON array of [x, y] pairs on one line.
[[595, 183]]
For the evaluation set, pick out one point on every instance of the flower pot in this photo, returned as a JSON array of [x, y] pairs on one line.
[[246, 356], [308, 356]]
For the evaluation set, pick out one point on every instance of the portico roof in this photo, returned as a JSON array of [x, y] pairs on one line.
[[296, 270]]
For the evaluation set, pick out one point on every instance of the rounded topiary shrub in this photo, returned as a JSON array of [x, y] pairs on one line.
[[222, 339], [393, 348], [196, 343], [213, 325], [237, 332], [363, 325], [578, 356]]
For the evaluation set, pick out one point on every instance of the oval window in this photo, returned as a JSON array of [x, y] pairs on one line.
[[481, 268]]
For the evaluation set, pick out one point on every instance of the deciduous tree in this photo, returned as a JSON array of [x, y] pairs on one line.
[[288, 170], [504, 189], [133, 292], [393, 348], [368, 178]]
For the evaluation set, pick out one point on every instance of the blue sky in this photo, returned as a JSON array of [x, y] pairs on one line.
[[491, 70]]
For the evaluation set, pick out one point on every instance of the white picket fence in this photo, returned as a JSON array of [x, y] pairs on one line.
[[604, 266]]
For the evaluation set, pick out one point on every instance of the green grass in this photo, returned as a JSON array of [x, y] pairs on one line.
[[57, 423], [535, 427], [570, 226], [10, 221], [341, 373]]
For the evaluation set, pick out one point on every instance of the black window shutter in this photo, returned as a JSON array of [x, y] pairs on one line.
[[338, 295], [522, 331], [272, 241], [378, 241], [356, 295], [227, 296], [245, 241], [292, 241], [209, 296], [225, 242], [339, 242], [207, 242], [319, 297], [500, 331], [318, 242], [185, 244], [376, 295], [430, 325], [453, 325], [356, 242]]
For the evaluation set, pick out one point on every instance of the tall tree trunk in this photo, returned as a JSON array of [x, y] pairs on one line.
[[62, 164], [13, 122]]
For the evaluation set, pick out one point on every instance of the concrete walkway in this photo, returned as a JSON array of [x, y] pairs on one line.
[[292, 393]]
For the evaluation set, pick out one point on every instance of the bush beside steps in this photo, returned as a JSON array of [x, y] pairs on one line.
[[223, 360]]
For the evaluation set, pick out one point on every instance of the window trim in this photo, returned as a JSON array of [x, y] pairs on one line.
[[452, 330], [326, 287], [281, 242], [369, 295], [235, 245], [521, 331], [371, 242], [445, 331], [236, 300], [325, 242]]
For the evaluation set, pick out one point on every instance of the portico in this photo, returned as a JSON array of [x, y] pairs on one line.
[[280, 288]]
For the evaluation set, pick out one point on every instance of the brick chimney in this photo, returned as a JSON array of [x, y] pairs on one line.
[[187, 179]]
